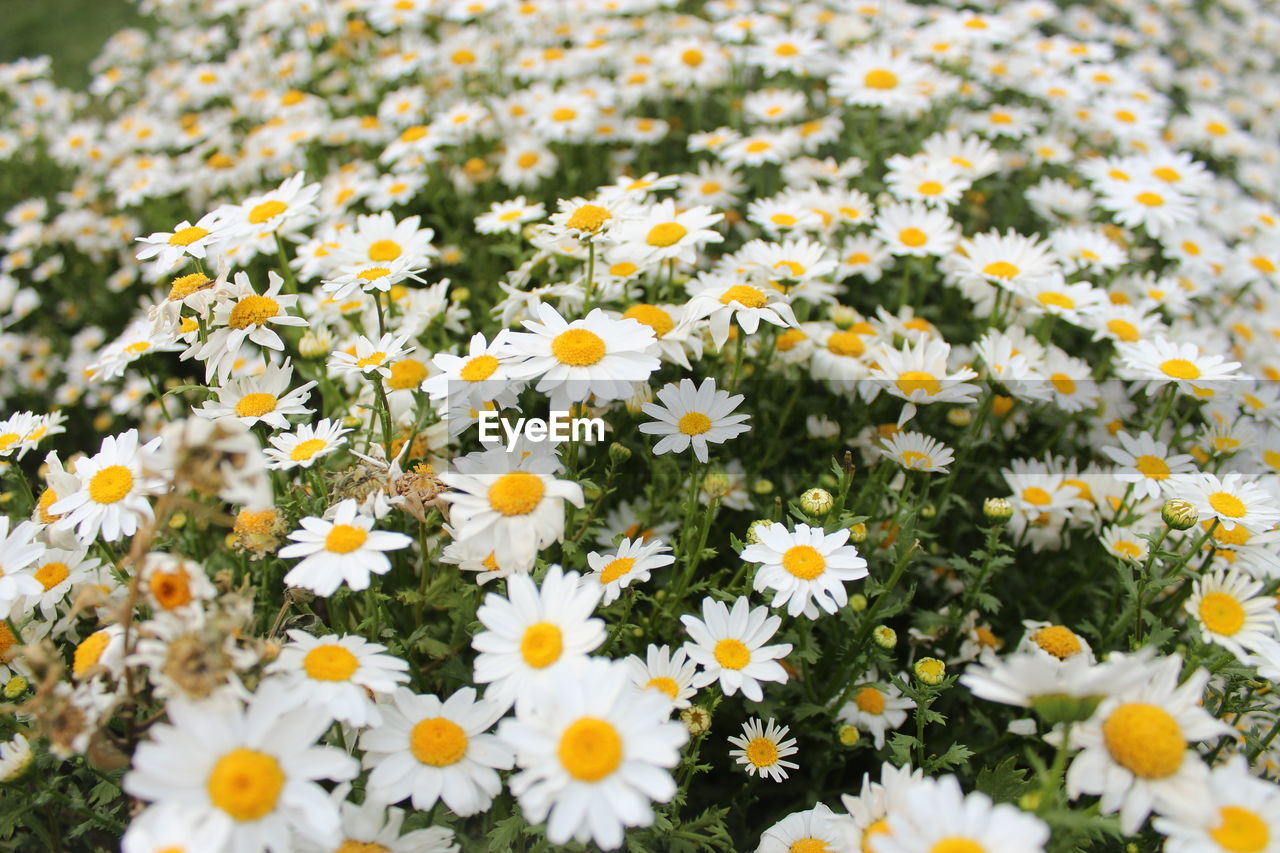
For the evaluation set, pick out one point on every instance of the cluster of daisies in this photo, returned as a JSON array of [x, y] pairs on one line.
[[935, 501]]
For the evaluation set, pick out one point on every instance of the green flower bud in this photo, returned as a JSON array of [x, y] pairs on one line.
[[931, 671], [997, 510], [1179, 514], [884, 637], [817, 502]]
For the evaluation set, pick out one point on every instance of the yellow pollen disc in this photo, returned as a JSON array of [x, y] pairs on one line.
[[1179, 368], [89, 651], [809, 845], [52, 574], [7, 641], [869, 701], [262, 212], [330, 662], [666, 234], [527, 160], [623, 269], [880, 827], [1001, 269], [913, 237], [171, 589], [111, 484], [1241, 830], [541, 645], [578, 347], [756, 146], [590, 749], [406, 374], [786, 49], [516, 493], [918, 380], [1123, 330], [914, 459], [762, 752], [745, 295], [353, 846], [1057, 640], [588, 217], [1063, 383], [1050, 299], [694, 423], [1262, 264], [438, 742], [788, 340], [1130, 550], [8, 440], [732, 654], [245, 784], [564, 114], [253, 310], [1145, 740], [345, 538], [847, 344], [1152, 467], [880, 78], [307, 449], [666, 685], [1221, 613], [1227, 505], [957, 844], [371, 360], [1149, 199], [187, 236], [691, 57], [652, 316], [929, 188], [479, 368], [138, 348], [804, 562], [373, 273], [256, 405], [616, 569]]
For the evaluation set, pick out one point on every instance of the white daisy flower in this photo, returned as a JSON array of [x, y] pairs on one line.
[[935, 813], [305, 445], [478, 376], [336, 675], [264, 398], [694, 416], [593, 751], [374, 827], [723, 300], [917, 452], [875, 710], [806, 568], [632, 562], [242, 314], [427, 750], [169, 827], [762, 749], [1147, 463], [1232, 611], [113, 492], [1244, 815], [1161, 361], [169, 247], [19, 550], [370, 356], [670, 672], [817, 830], [344, 549], [730, 647], [660, 233]]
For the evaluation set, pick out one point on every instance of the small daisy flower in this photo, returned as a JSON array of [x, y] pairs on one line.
[[1244, 814], [112, 497], [1232, 611], [916, 230], [336, 675], [725, 300], [304, 446], [1124, 543], [817, 830], [1053, 643], [670, 672], [917, 452], [265, 398], [344, 549], [730, 647], [693, 416], [509, 216], [632, 562], [661, 232], [427, 750], [806, 568], [169, 247], [1146, 463], [371, 356], [762, 749], [875, 709]]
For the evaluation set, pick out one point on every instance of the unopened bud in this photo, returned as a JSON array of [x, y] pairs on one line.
[[1179, 514], [931, 671], [619, 453], [849, 735], [591, 492], [858, 533], [716, 484], [997, 510], [762, 486], [15, 687], [857, 602], [817, 502], [315, 343], [884, 637], [696, 719], [753, 532], [959, 416], [843, 316], [928, 511]]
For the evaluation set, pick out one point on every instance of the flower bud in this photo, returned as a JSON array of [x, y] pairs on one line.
[[1179, 514], [997, 510], [959, 416], [884, 637], [928, 511], [762, 486], [619, 453], [696, 719], [591, 492], [857, 602], [817, 502], [716, 484], [843, 316], [315, 343], [753, 532], [931, 671], [15, 687], [858, 533], [849, 735]]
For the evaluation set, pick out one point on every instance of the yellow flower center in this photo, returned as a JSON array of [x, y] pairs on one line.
[[1145, 740], [187, 236], [438, 742], [1057, 640], [1124, 330], [541, 644], [373, 273], [330, 662], [918, 380], [588, 217], [804, 562], [564, 114], [957, 844], [111, 484], [929, 188], [1129, 550], [1152, 467], [870, 701], [847, 344], [745, 295], [246, 784], [52, 574], [880, 827], [353, 846], [256, 405], [1227, 504], [1053, 299], [264, 211], [666, 234], [762, 752], [666, 685], [479, 368], [371, 360], [578, 347], [880, 78], [253, 310], [384, 250], [406, 374], [616, 569], [694, 423], [590, 749], [732, 654], [1241, 830], [516, 493], [1221, 613], [913, 237], [915, 459], [809, 845], [307, 449], [1150, 199], [652, 316], [345, 538], [1063, 383], [1001, 269]]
